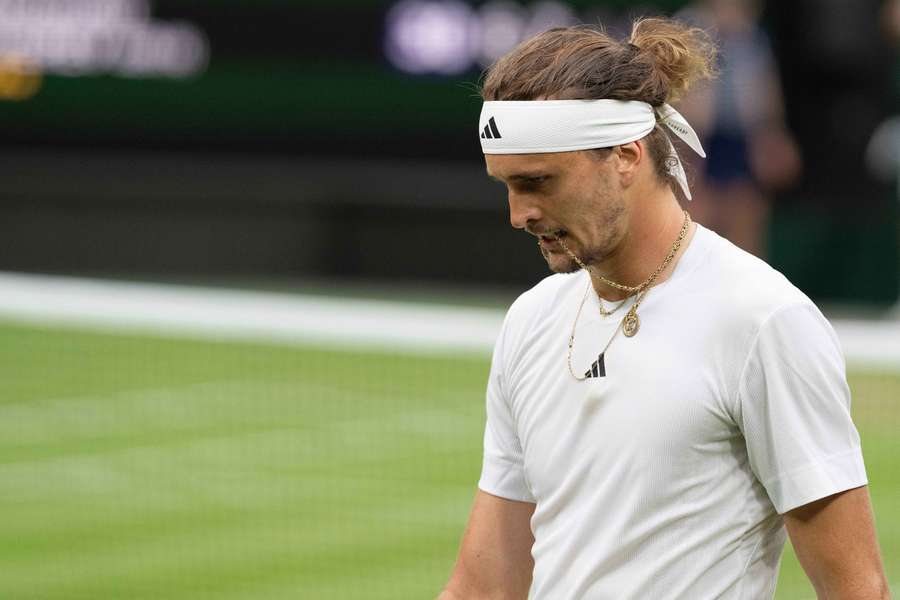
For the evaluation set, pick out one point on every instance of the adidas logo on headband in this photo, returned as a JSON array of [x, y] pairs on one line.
[[490, 131]]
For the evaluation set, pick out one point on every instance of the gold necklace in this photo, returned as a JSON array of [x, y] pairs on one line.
[[572, 338], [603, 311], [630, 323], [633, 289]]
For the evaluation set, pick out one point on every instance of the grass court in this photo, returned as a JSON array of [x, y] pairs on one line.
[[142, 467]]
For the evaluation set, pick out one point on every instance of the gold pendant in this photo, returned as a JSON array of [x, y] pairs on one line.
[[630, 324]]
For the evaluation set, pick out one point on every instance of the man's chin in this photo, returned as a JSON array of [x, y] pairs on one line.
[[561, 263]]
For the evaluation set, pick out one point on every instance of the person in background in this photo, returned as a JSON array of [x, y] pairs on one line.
[[740, 118]]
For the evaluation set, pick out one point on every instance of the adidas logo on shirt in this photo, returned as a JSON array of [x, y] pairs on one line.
[[490, 131], [598, 369]]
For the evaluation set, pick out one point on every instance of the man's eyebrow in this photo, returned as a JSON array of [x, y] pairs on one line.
[[521, 176]]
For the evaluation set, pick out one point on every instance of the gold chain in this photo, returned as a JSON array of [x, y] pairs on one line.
[[572, 335], [633, 289], [605, 313], [630, 323]]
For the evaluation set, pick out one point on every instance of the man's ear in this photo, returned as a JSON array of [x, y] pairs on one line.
[[628, 158]]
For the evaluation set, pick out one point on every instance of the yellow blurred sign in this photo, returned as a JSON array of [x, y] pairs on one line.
[[20, 77]]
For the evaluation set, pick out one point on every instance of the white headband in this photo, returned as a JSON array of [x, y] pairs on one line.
[[540, 126]]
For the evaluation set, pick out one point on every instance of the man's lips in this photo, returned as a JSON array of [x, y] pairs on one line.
[[551, 236], [551, 239]]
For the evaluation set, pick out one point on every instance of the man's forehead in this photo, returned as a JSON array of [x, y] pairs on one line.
[[524, 166]]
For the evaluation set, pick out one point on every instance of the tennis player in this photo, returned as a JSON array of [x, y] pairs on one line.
[[666, 408]]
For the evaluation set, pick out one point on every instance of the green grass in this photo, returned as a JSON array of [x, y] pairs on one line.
[[138, 467]]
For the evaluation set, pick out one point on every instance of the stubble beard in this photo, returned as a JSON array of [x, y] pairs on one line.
[[611, 224]]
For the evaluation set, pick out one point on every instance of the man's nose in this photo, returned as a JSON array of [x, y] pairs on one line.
[[522, 210]]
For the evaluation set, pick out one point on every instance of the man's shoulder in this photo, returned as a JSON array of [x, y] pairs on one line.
[[745, 287]]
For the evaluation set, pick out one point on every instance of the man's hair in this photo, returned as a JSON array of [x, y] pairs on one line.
[[657, 64]]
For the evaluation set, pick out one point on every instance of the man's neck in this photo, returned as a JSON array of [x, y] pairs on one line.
[[654, 224]]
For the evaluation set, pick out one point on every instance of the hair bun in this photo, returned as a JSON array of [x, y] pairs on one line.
[[681, 55]]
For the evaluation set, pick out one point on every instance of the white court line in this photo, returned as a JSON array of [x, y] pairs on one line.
[[870, 344], [186, 311], [220, 314]]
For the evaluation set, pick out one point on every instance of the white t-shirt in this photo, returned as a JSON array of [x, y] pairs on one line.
[[665, 477]]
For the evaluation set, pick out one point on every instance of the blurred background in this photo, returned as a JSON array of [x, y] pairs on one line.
[[251, 271]]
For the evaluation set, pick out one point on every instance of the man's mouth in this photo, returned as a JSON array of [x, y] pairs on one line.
[[552, 237]]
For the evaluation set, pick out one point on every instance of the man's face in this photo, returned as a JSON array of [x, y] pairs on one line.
[[574, 196]]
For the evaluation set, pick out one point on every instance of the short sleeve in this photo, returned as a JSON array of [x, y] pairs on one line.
[[794, 410], [503, 469]]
